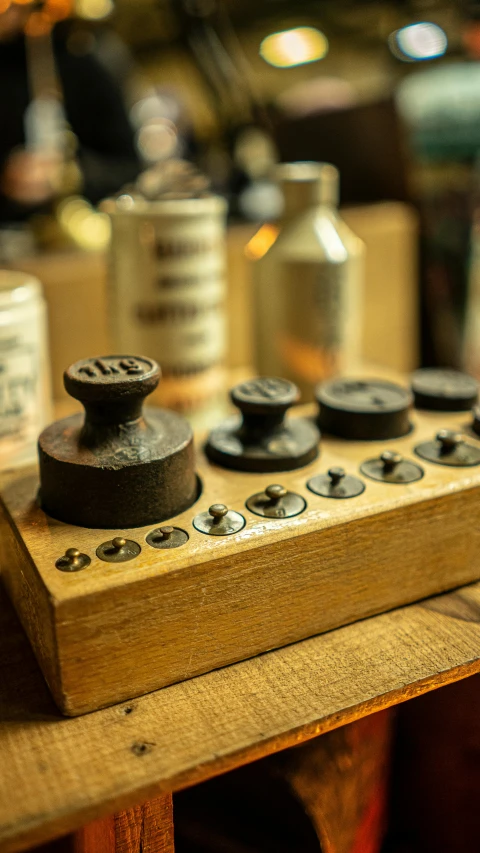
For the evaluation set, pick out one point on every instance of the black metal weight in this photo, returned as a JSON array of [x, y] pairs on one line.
[[363, 410], [263, 439], [116, 468]]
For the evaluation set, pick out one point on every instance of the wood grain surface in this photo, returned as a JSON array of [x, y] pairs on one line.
[[60, 773], [116, 631], [147, 828], [96, 837]]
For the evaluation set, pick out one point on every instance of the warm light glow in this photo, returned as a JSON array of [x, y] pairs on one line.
[[418, 42], [38, 24], [471, 39], [94, 10], [41, 21], [85, 226], [58, 9], [260, 243], [294, 47], [157, 139]]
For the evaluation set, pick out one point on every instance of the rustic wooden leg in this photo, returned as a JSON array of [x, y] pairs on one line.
[[329, 794], [143, 829], [93, 838]]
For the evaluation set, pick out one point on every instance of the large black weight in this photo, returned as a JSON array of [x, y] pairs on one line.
[[117, 467], [363, 409], [443, 390]]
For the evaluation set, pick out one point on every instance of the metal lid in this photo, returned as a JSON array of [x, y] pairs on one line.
[[307, 184], [133, 203], [18, 287]]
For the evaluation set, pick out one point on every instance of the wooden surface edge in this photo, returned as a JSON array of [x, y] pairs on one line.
[[30, 598], [333, 585], [41, 832]]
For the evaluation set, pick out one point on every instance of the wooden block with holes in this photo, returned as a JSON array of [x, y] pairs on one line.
[[114, 631]]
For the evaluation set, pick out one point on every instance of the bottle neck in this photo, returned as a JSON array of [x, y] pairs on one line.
[[300, 198], [307, 185]]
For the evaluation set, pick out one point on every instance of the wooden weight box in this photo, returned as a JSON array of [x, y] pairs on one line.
[[115, 630]]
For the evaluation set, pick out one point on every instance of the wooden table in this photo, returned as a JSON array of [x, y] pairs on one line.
[[60, 774]]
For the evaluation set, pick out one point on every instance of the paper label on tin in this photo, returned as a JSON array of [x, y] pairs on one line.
[[20, 413], [168, 297]]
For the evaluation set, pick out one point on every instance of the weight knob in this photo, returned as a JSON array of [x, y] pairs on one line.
[[118, 550], [391, 467], [363, 410], [443, 390], [219, 521], [263, 439], [336, 483], [167, 537], [449, 448], [276, 502], [115, 467], [73, 561]]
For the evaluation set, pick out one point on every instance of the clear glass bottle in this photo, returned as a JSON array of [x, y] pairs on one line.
[[308, 285], [25, 391]]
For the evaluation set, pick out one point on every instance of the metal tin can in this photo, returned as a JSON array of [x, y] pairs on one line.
[[167, 295], [25, 395]]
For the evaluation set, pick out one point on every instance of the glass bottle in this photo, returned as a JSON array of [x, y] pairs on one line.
[[308, 283]]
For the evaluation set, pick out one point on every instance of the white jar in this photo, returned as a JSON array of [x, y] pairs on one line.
[[167, 296], [25, 395]]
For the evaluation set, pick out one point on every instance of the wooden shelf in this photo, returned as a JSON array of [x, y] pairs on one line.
[[60, 773]]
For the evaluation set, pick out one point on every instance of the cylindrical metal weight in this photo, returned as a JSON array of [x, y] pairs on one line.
[[116, 468]]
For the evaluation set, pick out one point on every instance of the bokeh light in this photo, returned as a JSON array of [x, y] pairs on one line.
[[85, 226], [260, 243], [38, 24], [94, 10], [157, 139], [418, 42], [59, 9], [294, 47]]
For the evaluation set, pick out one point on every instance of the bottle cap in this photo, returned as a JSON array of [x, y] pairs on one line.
[[17, 287], [307, 184]]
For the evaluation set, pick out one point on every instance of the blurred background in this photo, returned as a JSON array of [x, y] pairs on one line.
[[95, 92], [115, 107]]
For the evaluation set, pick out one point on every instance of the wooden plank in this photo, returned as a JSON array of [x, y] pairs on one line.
[[145, 829], [59, 773], [142, 829], [122, 630], [95, 837]]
